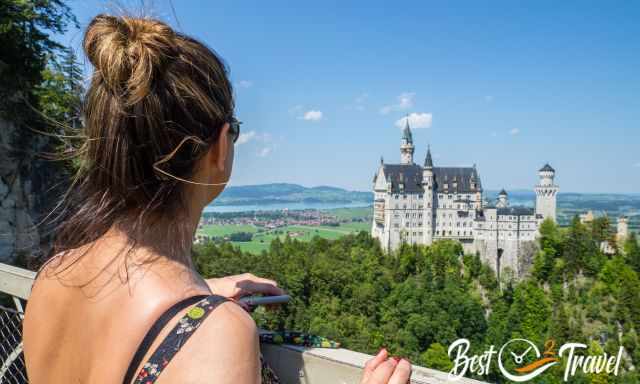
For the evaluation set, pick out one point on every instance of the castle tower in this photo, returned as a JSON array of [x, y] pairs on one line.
[[428, 200], [503, 200], [406, 145], [623, 229], [546, 192]]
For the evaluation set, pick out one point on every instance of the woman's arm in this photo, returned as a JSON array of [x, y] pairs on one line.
[[237, 286], [225, 349]]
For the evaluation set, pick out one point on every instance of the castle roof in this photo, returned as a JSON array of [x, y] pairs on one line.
[[407, 178], [516, 211], [457, 180], [404, 178], [503, 192], [547, 168]]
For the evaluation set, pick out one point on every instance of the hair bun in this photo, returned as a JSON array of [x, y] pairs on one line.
[[128, 53]]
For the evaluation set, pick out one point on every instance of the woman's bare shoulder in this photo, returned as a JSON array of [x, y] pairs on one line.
[[224, 349]]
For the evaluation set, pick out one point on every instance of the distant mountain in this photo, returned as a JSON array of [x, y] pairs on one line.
[[277, 193]]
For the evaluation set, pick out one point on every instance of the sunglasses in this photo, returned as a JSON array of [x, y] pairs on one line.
[[234, 128]]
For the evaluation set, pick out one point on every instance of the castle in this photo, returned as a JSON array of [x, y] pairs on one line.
[[420, 204]]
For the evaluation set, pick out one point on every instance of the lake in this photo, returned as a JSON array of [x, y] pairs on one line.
[[278, 207]]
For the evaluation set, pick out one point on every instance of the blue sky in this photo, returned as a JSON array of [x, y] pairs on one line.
[[506, 85]]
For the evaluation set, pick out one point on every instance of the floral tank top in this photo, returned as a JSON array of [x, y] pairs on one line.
[[180, 333]]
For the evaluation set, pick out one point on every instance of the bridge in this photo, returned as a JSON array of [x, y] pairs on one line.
[[293, 364]]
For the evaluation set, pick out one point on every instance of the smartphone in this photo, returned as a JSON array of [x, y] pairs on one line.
[[264, 300]]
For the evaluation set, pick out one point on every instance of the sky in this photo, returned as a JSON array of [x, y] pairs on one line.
[[322, 87]]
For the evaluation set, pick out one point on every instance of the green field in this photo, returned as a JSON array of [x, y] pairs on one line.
[[225, 230], [350, 213], [262, 239]]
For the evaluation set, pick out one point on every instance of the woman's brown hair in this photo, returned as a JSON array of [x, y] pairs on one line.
[[158, 99]]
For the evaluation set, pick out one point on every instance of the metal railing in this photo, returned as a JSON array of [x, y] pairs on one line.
[[15, 283], [13, 368], [293, 364]]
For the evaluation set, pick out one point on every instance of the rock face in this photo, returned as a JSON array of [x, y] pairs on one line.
[[25, 194]]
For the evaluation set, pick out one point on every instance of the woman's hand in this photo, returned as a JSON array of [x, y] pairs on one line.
[[384, 370], [237, 286]]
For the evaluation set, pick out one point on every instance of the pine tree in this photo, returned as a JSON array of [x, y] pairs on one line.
[[73, 85], [632, 252], [560, 328], [579, 246]]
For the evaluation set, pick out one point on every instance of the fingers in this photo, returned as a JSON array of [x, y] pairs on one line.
[[383, 372], [372, 364], [259, 285], [402, 373]]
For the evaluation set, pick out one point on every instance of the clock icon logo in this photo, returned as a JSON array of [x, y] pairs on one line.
[[520, 351]]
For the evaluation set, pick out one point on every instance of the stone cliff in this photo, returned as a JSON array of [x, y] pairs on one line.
[[29, 188]]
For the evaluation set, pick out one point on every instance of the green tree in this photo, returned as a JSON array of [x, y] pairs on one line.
[[550, 249], [530, 312], [597, 378], [560, 329], [27, 47], [601, 229], [632, 252], [436, 357], [579, 246]]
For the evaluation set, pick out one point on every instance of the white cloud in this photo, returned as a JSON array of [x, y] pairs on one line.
[[309, 115], [416, 120], [514, 131], [488, 98], [405, 101], [245, 84], [312, 115], [246, 137], [264, 152]]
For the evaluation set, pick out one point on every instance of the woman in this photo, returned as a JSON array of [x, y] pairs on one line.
[[120, 301]]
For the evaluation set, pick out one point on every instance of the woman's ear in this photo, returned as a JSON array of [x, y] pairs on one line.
[[220, 150]]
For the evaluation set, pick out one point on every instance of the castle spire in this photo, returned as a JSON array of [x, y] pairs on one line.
[[406, 145], [406, 132], [428, 161]]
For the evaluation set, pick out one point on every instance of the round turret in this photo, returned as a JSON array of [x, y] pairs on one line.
[[503, 201], [546, 192]]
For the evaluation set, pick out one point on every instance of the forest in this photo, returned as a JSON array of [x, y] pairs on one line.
[[415, 301], [419, 299]]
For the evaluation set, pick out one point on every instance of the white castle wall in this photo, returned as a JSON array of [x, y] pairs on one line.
[[421, 218]]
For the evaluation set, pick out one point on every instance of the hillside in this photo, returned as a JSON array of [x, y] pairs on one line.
[[278, 193]]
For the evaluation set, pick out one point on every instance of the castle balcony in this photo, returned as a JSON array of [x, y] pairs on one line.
[[293, 364]]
